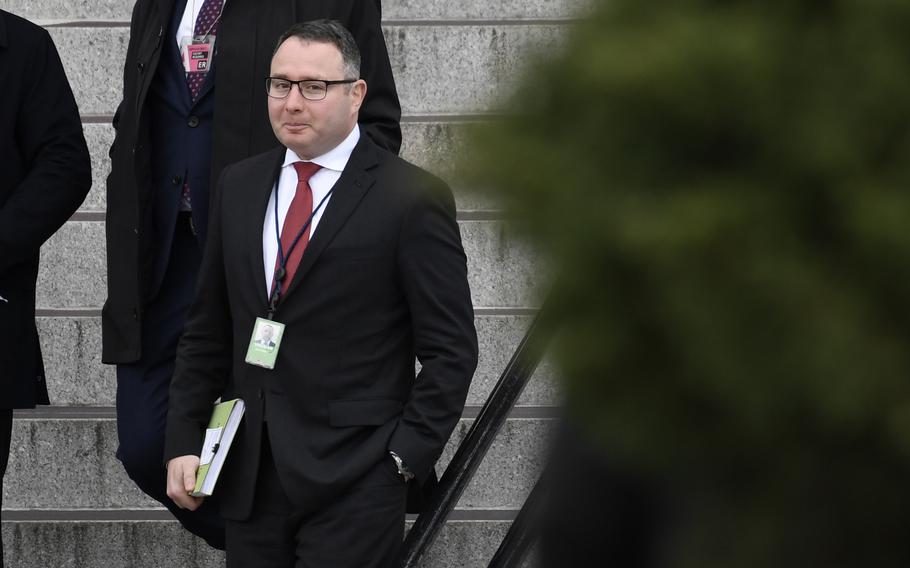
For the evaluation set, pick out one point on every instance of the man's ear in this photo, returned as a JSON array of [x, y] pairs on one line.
[[358, 92]]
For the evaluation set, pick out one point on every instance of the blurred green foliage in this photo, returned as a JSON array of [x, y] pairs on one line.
[[723, 188]]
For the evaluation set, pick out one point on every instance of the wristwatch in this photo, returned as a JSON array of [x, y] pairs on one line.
[[403, 470]]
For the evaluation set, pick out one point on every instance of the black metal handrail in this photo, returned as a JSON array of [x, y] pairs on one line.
[[522, 532], [474, 447]]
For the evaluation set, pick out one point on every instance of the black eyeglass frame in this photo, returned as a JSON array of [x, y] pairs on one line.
[[268, 83]]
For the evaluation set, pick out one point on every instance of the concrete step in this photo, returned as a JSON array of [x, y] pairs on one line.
[[392, 10], [436, 146], [75, 375], [501, 271], [68, 462], [77, 541], [439, 69]]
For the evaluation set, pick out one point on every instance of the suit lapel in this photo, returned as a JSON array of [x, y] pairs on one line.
[[260, 188], [349, 190]]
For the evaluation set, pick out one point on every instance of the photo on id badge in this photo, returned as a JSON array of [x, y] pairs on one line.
[[264, 343]]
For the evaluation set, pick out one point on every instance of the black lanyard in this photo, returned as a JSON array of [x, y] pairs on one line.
[[281, 271]]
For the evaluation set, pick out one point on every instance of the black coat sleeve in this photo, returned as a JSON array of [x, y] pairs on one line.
[[433, 270], [51, 144], [380, 114]]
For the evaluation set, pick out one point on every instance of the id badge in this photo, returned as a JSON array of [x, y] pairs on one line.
[[197, 56], [264, 343]]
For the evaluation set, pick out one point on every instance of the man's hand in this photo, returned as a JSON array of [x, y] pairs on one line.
[[181, 480]]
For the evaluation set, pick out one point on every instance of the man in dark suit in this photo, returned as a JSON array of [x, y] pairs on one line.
[[44, 178], [336, 430], [189, 108]]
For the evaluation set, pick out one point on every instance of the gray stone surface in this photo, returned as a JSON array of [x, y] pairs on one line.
[[502, 272], [76, 377], [463, 69], [392, 9], [72, 358], [458, 544], [72, 272], [498, 337], [438, 69], [163, 544], [99, 544], [511, 467], [70, 464], [440, 147], [99, 138], [435, 146], [95, 77], [482, 9]]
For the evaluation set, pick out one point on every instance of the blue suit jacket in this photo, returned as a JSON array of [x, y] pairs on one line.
[[181, 149]]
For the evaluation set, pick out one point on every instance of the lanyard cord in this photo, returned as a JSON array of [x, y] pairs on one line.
[[281, 271]]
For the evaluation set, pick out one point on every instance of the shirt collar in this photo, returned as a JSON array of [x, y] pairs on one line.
[[335, 159]]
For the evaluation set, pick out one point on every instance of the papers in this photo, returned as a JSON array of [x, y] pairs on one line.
[[218, 437], [210, 445]]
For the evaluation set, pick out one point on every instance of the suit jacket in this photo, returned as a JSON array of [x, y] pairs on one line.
[[44, 177], [382, 281], [238, 127]]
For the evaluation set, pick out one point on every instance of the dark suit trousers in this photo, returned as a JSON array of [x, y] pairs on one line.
[[6, 433], [142, 387], [363, 528]]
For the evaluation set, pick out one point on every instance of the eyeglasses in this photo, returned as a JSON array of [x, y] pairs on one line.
[[311, 89]]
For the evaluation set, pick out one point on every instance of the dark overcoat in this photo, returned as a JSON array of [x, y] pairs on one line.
[[45, 174]]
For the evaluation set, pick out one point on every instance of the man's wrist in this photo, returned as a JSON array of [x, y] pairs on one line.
[[403, 470]]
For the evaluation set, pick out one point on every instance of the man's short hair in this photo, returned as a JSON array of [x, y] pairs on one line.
[[328, 31]]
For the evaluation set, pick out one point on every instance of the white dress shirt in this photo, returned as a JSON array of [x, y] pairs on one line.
[[184, 34], [333, 163]]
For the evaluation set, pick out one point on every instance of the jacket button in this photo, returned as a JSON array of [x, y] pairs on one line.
[[193, 122], [177, 180], [259, 394], [135, 314], [141, 67]]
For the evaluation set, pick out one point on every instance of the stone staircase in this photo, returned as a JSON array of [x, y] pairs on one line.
[[67, 501]]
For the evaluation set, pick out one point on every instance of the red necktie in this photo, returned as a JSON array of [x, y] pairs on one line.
[[300, 210]]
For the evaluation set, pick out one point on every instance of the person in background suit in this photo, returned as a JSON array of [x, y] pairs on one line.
[[45, 176], [367, 273], [190, 106]]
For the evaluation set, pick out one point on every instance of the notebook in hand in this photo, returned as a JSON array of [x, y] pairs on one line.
[[218, 437]]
